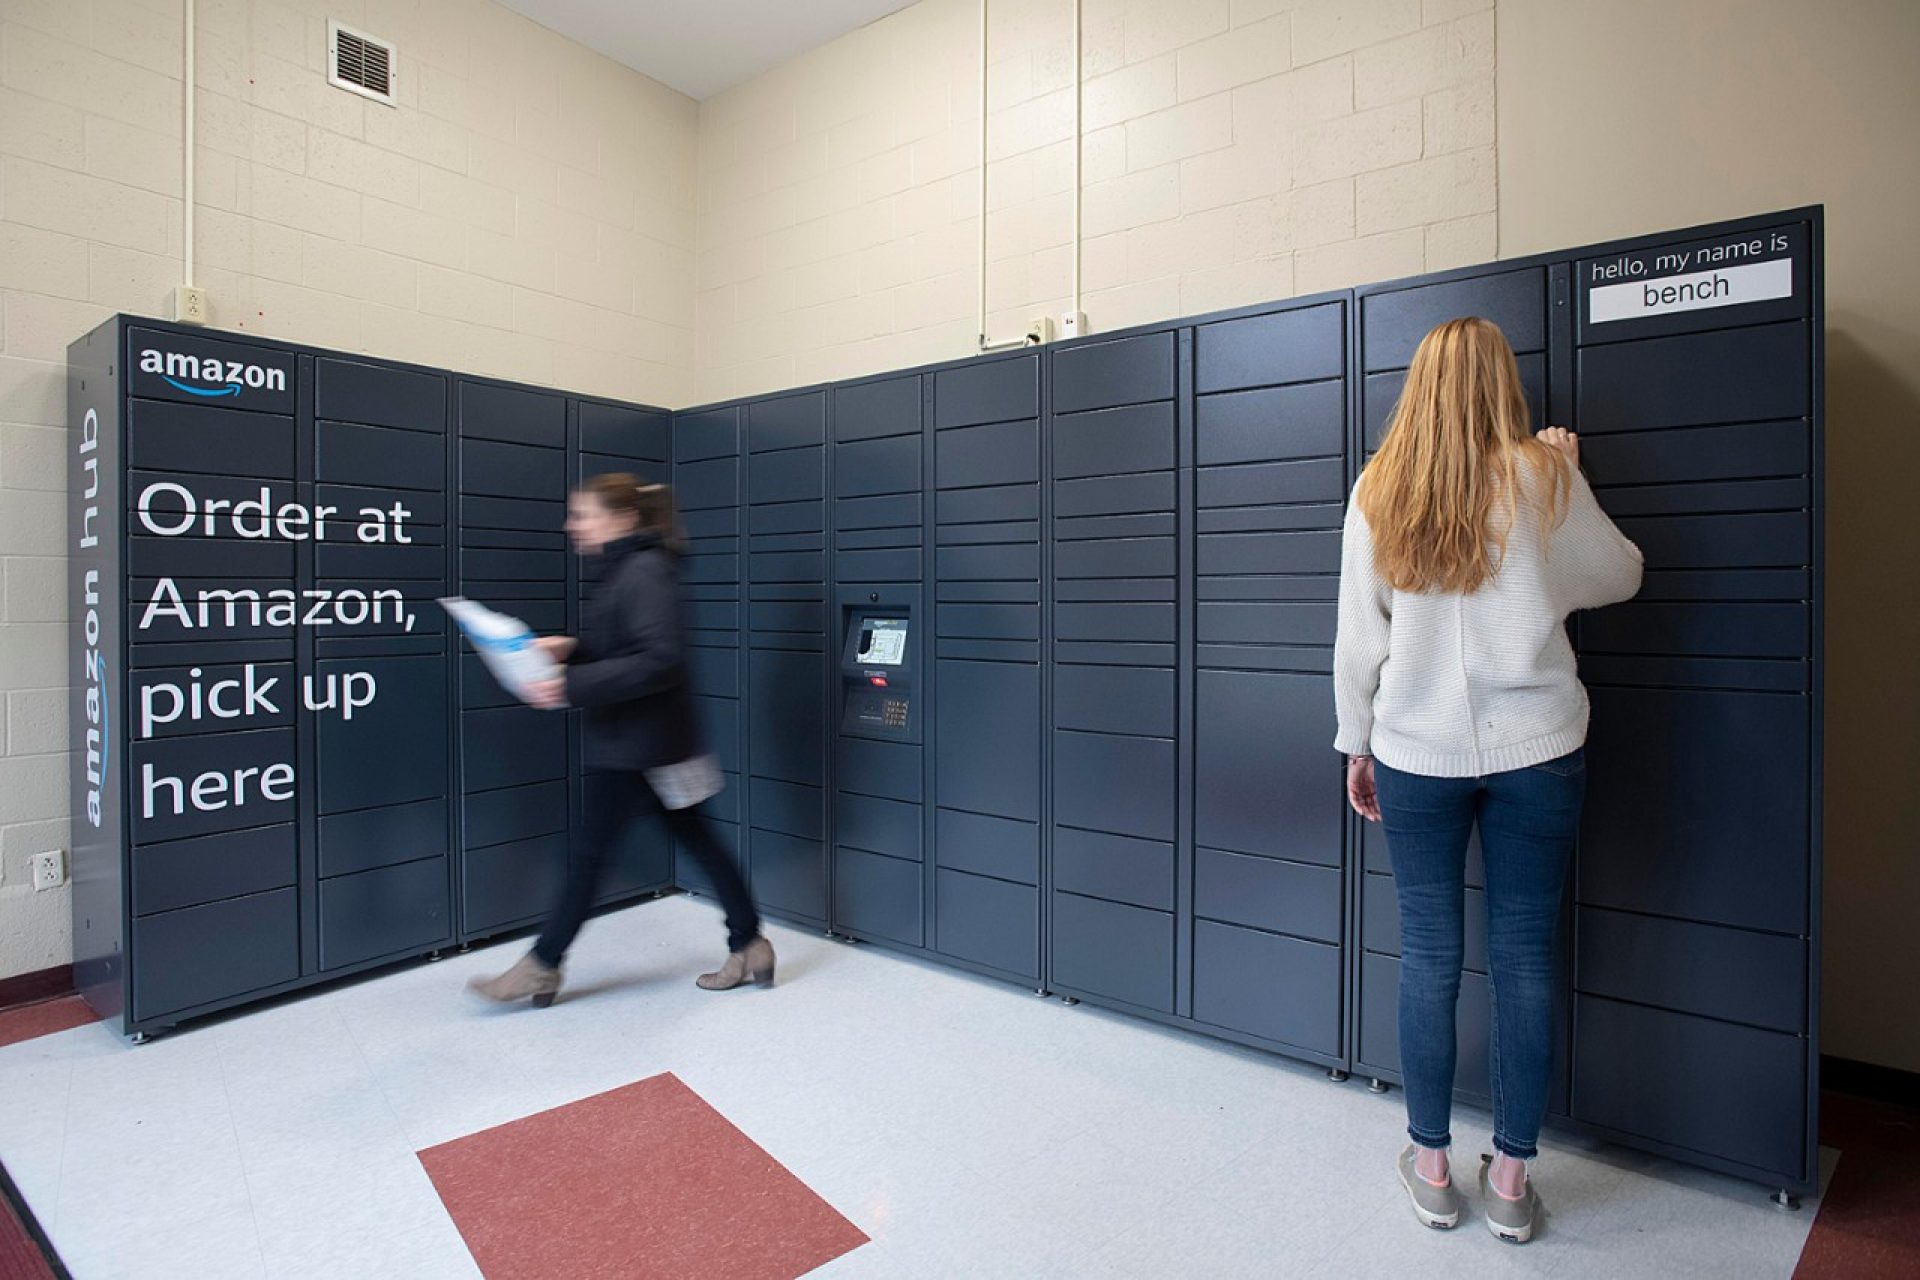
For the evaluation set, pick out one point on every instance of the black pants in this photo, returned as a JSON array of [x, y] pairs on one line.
[[621, 800]]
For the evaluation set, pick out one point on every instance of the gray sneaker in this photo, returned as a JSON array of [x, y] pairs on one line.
[[1509, 1220], [1436, 1207]]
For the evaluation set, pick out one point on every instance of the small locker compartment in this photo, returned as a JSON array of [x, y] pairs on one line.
[[1742, 1096], [1735, 975], [988, 921], [1265, 893], [787, 422], [391, 911], [1296, 344], [1109, 949], [880, 896], [990, 390], [519, 415], [789, 874], [1100, 375], [1393, 320], [1377, 1052], [1275, 987], [232, 864], [198, 955], [366, 839], [163, 436], [511, 884]]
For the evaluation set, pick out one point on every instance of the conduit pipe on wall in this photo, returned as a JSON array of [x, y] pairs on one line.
[[984, 344], [187, 93], [1078, 134]]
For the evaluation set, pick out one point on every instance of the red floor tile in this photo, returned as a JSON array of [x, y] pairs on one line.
[[43, 1019], [646, 1180], [1869, 1223]]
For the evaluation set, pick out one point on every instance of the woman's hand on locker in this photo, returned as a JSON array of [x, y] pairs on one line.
[[1564, 443]]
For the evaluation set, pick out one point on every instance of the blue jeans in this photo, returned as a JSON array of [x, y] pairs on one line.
[[1527, 818]]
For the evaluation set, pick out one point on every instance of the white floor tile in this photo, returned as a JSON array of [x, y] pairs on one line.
[[970, 1129]]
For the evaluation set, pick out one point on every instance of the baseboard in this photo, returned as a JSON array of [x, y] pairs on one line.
[[31, 988], [1870, 1080]]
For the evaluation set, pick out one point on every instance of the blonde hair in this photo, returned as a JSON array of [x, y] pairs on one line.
[[1458, 440]]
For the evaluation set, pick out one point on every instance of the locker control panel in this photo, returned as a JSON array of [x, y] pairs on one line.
[[876, 674]]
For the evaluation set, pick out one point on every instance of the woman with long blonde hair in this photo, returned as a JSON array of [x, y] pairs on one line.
[[1468, 542]]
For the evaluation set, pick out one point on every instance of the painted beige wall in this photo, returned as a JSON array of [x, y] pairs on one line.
[[1235, 150], [1625, 116], [526, 211]]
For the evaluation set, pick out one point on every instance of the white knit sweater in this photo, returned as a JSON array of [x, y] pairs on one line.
[[1463, 686]]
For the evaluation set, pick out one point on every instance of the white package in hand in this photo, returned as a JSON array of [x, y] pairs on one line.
[[505, 644]]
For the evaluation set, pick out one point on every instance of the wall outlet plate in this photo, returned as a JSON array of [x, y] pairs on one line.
[[1072, 323], [49, 870], [1039, 331], [189, 304]]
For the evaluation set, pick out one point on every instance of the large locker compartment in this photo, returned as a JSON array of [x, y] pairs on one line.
[[1113, 482], [708, 492], [881, 875], [987, 675], [283, 772]]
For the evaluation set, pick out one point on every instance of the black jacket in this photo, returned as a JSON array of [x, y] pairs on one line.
[[628, 673]]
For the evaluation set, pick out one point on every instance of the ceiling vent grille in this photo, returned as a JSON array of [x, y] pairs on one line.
[[359, 63]]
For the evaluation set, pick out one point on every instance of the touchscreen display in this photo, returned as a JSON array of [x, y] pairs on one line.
[[883, 642]]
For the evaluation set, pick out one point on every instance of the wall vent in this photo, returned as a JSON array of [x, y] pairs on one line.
[[359, 63]]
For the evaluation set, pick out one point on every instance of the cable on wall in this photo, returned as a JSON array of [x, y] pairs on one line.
[[187, 93], [984, 344]]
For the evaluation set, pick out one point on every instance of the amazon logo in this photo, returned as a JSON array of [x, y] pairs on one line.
[[209, 376]]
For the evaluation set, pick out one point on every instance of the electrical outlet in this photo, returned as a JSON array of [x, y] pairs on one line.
[[189, 304], [1072, 323], [1039, 331], [49, 870]]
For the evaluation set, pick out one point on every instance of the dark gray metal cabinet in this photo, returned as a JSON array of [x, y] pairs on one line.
[[987, 669], [787, 653], [706, 450], [881, 879], [1117, 862], [1271, 439], [1123, 785], [280, 772], [512, 478], [1692, 914], [623, 439]]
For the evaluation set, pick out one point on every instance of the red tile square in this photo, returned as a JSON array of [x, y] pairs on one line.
[[30, 1021], [642, 1181]]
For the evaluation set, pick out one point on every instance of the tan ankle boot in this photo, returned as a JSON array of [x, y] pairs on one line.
[[752, 963], [528, 977]]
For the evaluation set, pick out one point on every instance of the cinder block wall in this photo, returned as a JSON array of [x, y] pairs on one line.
[[526, 211], [1235, 150]]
